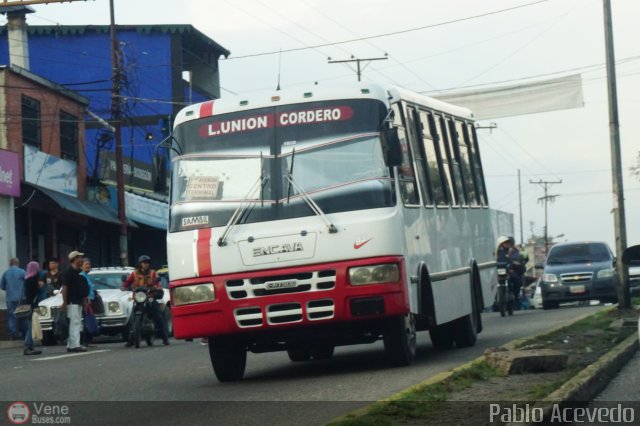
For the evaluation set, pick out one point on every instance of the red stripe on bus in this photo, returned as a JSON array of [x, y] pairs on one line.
[[203, 249], [206, 109]]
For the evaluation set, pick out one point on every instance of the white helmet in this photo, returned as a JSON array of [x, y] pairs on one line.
[[502, 240]]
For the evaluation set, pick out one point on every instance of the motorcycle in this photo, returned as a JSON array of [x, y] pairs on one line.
[[142, 322], [504, 296]]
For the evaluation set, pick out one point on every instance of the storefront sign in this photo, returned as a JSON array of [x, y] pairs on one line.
[[147, 211], [9, 173], [136, 173], [47, 171]]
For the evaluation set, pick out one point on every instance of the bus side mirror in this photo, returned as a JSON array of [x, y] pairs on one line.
[[391, 147]]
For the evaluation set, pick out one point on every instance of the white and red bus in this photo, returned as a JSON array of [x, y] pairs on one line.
[[307, 220]]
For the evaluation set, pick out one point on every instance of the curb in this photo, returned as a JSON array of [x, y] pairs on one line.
[[588, 382], [8, 344]]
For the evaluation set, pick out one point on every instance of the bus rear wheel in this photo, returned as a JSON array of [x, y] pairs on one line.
[[228, 358], [400, 340]]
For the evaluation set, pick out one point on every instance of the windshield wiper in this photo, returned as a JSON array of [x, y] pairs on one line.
[[312, 204], [239, 212], [293, 157]]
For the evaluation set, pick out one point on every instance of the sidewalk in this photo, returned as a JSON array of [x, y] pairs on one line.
[[624, 386]]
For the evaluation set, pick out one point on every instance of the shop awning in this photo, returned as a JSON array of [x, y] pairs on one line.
[[83, 207]]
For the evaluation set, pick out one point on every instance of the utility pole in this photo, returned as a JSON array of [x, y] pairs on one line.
[[624, 297], [358, 60], [520, 206], [116, 114], [545, 185]]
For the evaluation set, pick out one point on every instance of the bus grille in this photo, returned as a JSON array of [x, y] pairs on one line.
[[284, 313], [270, 285]]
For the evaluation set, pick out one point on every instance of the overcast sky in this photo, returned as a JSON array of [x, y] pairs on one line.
[[485, 44]]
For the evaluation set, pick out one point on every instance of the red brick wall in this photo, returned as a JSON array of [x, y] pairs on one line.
[[51, 103]]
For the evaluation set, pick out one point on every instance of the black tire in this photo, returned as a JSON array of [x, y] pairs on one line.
[[400, 340], [125, 332], [137, 330], [464, 331], [441, 337], [322, 352], [48, 339], [299, 354], [228, 358], [168, 320], [549, 305], [502, 301]]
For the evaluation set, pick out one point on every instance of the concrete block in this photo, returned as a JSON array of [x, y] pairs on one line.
[[527, 361]]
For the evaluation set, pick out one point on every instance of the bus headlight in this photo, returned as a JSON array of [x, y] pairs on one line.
[[197, 293], [374, 274]]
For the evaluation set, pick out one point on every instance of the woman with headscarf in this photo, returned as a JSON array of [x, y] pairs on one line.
[[31, 296]]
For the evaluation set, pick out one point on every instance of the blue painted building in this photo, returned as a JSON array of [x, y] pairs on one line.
[[164, 67]]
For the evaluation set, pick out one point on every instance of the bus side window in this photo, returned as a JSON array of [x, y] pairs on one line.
[[477, 165], [406, 174], [456, 165], [466, 162], [436, 178], [415, 138], [447, 159]]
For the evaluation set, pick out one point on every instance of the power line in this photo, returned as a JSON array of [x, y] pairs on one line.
[[439, 24]]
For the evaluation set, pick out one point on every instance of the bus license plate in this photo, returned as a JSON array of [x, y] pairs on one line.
[[577, 289]]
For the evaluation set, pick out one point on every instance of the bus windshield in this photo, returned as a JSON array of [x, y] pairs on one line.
[[339, 165]]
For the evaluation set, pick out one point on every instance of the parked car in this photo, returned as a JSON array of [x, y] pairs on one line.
[[634, 280], [117, 305], [631, 257], [578, 271]]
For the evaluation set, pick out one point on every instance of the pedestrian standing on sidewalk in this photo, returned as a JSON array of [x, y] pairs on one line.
[[86, 268], [31, 288], [12, 283], [51, 277], [74, 296]]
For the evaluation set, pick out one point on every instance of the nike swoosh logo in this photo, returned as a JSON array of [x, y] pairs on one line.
[[357, 245]]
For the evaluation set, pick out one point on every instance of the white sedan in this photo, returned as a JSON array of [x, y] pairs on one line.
[[118, 305]]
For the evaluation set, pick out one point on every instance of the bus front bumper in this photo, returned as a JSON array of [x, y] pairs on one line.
[[323, 295]]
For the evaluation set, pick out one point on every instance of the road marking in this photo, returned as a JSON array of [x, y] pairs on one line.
[[69, 355]]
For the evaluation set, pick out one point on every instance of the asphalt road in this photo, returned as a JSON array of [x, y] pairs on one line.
[[274, 391]]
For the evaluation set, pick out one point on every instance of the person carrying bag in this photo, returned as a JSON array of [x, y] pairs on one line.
[[36, 329]]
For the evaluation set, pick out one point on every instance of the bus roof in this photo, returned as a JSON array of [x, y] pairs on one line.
[[383, 93]]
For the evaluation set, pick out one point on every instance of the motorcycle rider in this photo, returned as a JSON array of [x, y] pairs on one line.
[[509, 254], [144, 276]]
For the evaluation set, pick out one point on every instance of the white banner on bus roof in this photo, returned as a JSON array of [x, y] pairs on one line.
[[525, 98]]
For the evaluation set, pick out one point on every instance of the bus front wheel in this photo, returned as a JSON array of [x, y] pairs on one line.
[[228, 358], [400, 340]]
